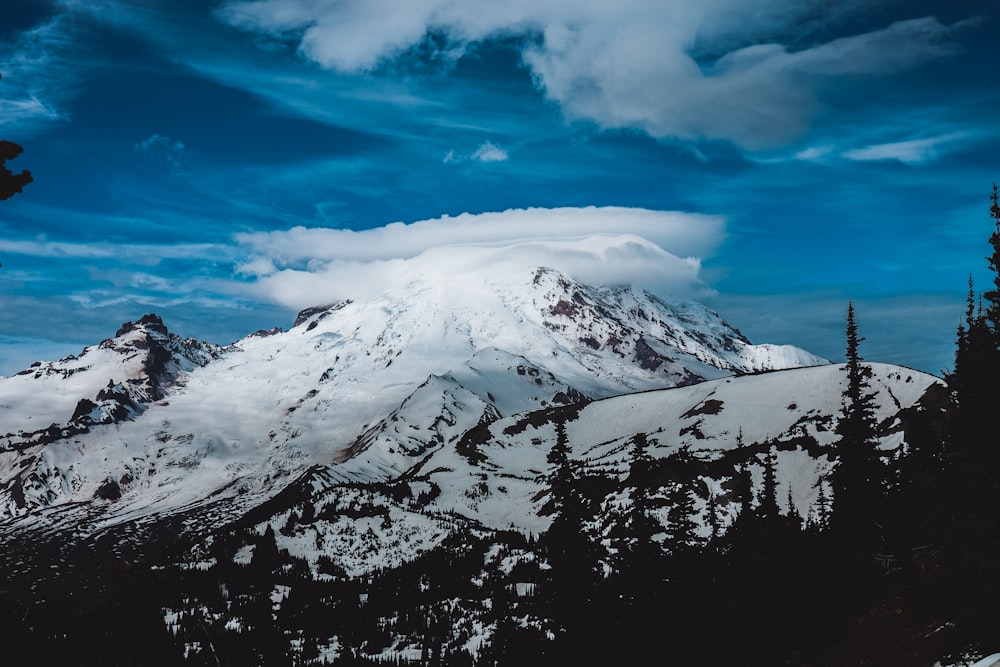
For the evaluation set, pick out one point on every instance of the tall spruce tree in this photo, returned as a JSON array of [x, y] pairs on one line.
[[571, 552], [767, 507], [992, 296], [973, 383], [682, 517], [573, 555], [641, 551], [858, 478]]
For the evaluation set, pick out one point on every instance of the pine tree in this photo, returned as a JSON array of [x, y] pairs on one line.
[[681, 522], [823, 508], [572, 553], [265, 553], [713, 514], [570, 550], [973, 383], [959, 381], [857, 480], [641, 525], [962, 510], [767, 507], [992, 296], [793, 514]]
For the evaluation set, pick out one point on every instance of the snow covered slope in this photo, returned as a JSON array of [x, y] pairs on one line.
[[496, 475], [792, 411], [155, 423], [139, 365]]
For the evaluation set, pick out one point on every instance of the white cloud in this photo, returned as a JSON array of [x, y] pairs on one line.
[[161, 147], [632, 63], [485, 152], [139, 253], [489, 152], [914, 151], [814, 153], [655, 249], [680, 233]]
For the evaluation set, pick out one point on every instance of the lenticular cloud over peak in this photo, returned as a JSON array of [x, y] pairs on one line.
[[656, 250]]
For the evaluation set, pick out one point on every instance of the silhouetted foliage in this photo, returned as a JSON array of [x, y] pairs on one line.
[[11, 183]]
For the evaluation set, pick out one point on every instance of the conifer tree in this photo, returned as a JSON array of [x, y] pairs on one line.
[[568, 546], [793, 514], [767, 507], [572, 553], [823, 508], [973, 383], [713, 511], [992, 296], [958, 379], [681, 506], [265, 554], [857, 480], [641, 525]]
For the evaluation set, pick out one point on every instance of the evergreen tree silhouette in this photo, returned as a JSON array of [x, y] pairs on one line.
[[973, 383], [265, 554], [857, 480], [640, 549], [992, 296], [11, 183], [767, 508], [572, 554]]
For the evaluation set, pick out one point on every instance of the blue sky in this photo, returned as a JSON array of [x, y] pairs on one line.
[[832, 151]]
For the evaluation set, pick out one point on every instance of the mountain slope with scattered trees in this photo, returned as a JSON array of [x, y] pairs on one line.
[[832, 515]]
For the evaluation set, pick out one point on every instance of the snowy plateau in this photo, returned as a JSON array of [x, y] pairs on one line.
[[379, 431]]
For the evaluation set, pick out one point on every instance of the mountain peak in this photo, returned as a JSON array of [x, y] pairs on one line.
[[149, 322], [370, 384]]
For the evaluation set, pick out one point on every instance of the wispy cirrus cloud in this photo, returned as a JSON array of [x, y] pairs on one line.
[[42, 68], [909, 151], [143, 253], [913, 151]]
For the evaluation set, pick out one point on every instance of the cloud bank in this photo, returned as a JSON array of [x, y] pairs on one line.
[[658, 250], [716, 69]]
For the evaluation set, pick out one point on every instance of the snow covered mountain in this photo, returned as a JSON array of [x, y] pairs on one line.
[[399, 443], [155, 422]]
